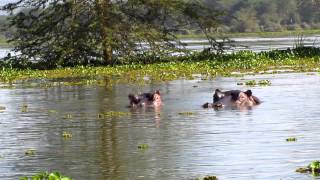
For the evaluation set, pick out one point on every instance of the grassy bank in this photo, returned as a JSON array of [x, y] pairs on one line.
[[206, 65], [3, 42]]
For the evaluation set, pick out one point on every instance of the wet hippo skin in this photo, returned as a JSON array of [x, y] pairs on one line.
[[232, 98], [145, 99]]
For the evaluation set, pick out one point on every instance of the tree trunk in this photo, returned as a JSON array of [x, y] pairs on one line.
[[103, 20], [107, 54]]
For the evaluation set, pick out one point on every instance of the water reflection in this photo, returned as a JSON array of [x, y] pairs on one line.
[[229, 143]]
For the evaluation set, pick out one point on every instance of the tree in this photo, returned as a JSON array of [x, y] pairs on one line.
[[71, 32]]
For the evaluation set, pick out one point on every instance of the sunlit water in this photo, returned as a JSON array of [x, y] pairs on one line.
[[230, 144]]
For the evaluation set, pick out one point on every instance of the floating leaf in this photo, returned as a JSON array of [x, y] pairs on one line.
[[30, 152], [143, 146], [67, 135], [291, 139], [186, 113]]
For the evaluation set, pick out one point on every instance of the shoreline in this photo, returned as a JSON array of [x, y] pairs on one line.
[[206, 66]]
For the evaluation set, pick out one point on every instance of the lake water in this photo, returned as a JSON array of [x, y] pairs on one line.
[[255, 44], [230, 144]]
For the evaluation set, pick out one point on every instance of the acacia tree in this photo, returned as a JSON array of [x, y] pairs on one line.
[[72, 32]]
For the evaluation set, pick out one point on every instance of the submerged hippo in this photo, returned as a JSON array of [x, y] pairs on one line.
[[233, 98], [145, 99]]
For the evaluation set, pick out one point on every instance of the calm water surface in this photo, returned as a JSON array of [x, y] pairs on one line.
[[255, 44], [231, 144]]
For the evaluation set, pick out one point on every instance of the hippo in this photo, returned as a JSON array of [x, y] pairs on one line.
[[232, 98], [145, 99]]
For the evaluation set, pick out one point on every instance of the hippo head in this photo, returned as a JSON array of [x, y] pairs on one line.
[[145, 99], [233, 98]]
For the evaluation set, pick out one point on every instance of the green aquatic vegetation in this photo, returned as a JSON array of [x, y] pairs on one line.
[[24, 108], [30, 152], [68, 116], [100, 116], [313, 168], [208, 65], [208, 178], [143, 146], [66, 135], [291, 139], [187, 113], [51, 111], [264, 83], [111, 114], [46, 176], [251, 83]]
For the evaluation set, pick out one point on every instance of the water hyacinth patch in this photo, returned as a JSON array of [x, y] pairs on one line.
[[67, 116], [66, 135], [187, 113], [251, 83], [46, 176], [111, 114], [30, 152], [313, 168], [264, 83], [207, 64], [208, 178], [291, 139], [143, 146], [24, 108]]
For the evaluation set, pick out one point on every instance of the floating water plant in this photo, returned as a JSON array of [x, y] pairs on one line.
[[66, 135], [46, 176], [170, 68], [24, 108], [208, 178], [110, 114], [291, 139], [50, 111], [68, 116], [313, 168], [186, 113], [251, 83], [100, 116], [30, 152], [264, 83], [143, 146]]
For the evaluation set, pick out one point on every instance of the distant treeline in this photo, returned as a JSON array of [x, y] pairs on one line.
[[267, 15]]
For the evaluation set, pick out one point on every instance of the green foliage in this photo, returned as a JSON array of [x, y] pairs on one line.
[[251, 83], [291, 139], [46, 176], [186, 113], [313, 168], [67, 33], [264, 83], [143, 146], [30, 152]]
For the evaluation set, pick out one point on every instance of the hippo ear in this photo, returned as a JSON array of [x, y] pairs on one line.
[[218, 95], [157, 92], [248, 93]]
